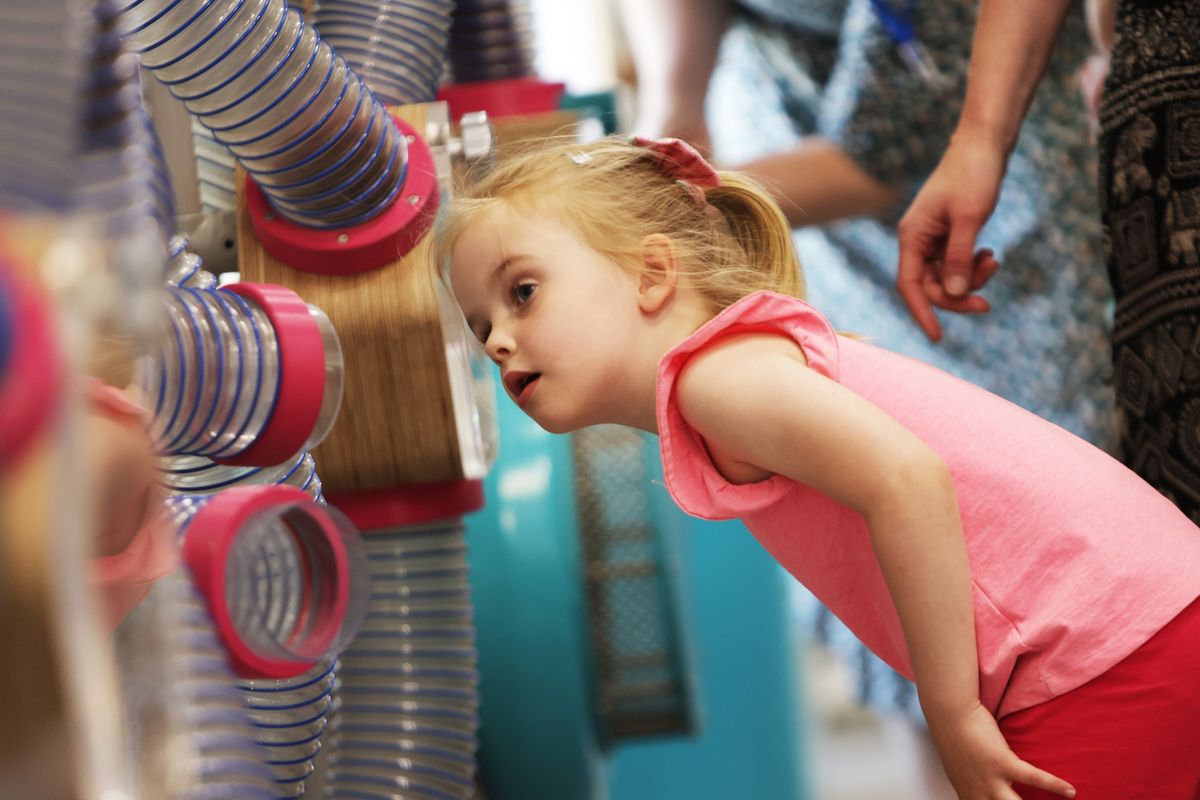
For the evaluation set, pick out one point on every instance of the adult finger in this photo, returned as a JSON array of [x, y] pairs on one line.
[[910, 282], [960, 252], [937, 295], [985, 267]]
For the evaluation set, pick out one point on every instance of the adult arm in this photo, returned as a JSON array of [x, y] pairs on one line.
[[938, 264], [816, 182], [674, 46], [757, 405]]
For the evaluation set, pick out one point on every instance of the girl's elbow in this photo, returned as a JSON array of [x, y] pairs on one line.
[[920, 474], [927, 468]]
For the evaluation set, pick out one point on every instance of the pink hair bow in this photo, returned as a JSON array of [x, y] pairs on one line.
[[679, 160]]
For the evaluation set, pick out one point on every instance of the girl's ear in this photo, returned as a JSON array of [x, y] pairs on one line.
[[660, 273]]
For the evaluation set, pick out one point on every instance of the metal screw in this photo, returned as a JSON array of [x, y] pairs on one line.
[[413, 199], [269, 215], [345, 237], [476, 139], [408, 137]]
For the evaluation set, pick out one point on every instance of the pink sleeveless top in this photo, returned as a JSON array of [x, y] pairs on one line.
[[1075, 560]]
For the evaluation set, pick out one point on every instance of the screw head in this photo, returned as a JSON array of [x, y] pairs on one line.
[[408, 137], [345, 237], [476, 139], [413, 199], [269, 215]]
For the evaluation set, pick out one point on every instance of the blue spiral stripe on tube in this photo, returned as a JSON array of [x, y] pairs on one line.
[[268, 103], [397, 46]]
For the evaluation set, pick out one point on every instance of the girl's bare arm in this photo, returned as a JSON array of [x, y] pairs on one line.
[[756, 404]]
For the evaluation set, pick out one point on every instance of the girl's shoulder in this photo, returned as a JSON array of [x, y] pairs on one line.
[[759, 322]]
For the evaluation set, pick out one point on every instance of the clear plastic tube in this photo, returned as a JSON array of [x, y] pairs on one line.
[[491, 40], [190, 734], [286, 597], [277, 581], [192, 475], [214, 382], [267, 87], [409, 714], [120, 176], [291, 718], [276, 586], [43, 57], [185, 268], [398, 48]]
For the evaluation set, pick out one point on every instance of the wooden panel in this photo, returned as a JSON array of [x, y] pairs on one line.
[[396, 424]]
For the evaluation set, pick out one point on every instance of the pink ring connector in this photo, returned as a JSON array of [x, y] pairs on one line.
[[32, 384], [357, 248], [301, 381], [208, 549]]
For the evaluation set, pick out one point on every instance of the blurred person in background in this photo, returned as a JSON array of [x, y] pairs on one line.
[[1149, 199]]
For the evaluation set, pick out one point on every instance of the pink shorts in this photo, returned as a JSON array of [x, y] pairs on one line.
[[1129, 734]]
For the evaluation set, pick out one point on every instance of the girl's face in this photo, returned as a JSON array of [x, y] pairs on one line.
[[560, 319]]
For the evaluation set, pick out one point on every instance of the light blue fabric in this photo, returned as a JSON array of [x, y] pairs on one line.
[[1045, 346]]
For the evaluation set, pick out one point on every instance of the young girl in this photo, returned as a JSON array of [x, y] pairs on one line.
[[1042, 596]]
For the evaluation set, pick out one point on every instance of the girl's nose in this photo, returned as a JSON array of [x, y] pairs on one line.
[[500, 345]]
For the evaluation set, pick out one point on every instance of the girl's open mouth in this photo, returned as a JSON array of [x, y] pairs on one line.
[[527, 386], [521, 384]]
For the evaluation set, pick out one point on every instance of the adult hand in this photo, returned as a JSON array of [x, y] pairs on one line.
[[939, 265], [978, 761]]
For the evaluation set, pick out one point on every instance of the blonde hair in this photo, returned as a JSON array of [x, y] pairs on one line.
[[613, 194]]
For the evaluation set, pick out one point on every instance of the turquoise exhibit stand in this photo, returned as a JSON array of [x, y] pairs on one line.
[[537, 734], [540, 739], [751, 741]]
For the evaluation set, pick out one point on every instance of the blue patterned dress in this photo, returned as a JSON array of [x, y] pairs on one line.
[[1045, 346]]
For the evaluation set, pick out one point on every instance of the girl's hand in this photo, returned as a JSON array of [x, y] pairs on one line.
[[978, 761]]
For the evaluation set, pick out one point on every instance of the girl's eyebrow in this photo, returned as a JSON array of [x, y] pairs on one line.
[[509, 261], [502, 268], [497, 275]]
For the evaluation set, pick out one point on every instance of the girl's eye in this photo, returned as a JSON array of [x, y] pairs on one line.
[[522, 292]]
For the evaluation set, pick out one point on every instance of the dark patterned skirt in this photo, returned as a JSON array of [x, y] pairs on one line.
[[1150, 200]]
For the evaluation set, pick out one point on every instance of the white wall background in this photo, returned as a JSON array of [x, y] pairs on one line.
[[576, 43]]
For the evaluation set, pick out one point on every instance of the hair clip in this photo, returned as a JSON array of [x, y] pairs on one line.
[[679, 160], [696, 193]]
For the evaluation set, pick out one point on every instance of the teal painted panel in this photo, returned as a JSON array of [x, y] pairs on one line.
[[751, 742], [537, 737]]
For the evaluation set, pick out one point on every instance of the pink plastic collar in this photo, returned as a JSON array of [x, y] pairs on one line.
[[301, 379], [502, 98], [358, 248], [397, 506], [206, 548], [31, 386]]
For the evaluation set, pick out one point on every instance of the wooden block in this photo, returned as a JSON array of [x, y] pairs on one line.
[[396, 425]]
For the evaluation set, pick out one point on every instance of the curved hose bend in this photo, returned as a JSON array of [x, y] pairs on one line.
[[297, 117]]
